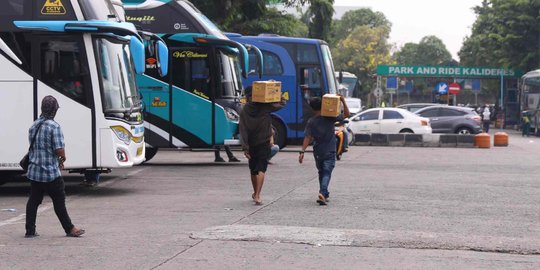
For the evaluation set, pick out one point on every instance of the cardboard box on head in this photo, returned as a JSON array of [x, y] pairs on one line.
[[331, 105], [266, 91]]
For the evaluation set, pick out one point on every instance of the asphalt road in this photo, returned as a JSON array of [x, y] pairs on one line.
[[390, 208]]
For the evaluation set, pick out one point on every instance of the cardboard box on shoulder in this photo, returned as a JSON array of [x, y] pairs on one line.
[[266, 91], [331, 105]]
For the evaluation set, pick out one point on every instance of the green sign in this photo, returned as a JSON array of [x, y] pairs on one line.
[[441, 71]]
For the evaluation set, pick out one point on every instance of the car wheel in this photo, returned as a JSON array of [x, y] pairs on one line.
[[464, 131], [406, 130]]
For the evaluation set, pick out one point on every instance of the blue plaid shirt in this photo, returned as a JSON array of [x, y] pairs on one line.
[[44, 166]]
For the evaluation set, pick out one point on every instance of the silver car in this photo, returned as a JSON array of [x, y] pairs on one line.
[[452, 119]]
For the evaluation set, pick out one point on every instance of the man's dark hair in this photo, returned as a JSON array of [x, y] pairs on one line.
[[315, 103]]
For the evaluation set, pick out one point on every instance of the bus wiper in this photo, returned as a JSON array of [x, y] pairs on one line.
[[134, 99]]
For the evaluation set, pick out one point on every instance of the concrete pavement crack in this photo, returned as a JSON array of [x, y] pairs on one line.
[[176, 255]]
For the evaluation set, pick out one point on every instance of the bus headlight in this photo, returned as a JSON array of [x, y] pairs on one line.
[[231, 114], [122, 134]]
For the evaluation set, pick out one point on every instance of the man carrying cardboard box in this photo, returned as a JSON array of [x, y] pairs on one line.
[[255, 132], [320, 131]]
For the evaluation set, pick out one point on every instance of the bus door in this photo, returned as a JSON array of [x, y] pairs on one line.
[[309, 85], [194, 107], [62, 69]]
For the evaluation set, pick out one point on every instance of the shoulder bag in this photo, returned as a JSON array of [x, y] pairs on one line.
[[25, 161]]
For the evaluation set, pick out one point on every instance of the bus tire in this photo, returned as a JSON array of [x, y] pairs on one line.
[[150, 153], [280, 137]]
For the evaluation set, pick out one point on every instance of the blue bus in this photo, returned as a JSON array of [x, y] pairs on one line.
[[304, 67], [197, 105]]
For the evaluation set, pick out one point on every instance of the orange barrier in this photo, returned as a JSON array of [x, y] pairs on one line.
[[500, 139], [482, 140]]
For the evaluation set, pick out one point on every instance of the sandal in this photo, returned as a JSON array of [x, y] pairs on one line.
[[75, 232]]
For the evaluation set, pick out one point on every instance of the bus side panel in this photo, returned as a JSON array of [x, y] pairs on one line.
[[155, 96], [16, 117], [194, 113], [75, 121], [16, 114], [191, 116]]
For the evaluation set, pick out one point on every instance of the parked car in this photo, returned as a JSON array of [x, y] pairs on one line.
[[354, 104], [452, 119], [388, 120], [413, 107]]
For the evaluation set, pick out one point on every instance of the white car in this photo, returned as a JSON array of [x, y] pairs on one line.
[[388, 121]]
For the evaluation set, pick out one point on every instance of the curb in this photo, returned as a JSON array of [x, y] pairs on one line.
[[415, 140]]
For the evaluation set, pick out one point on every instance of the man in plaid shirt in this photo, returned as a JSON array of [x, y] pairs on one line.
[[47, 157]]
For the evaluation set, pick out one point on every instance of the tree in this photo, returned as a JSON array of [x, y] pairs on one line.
[[250, 17], [361, 51], [506, 33], [319, 18], [431, 51], [354, 18]]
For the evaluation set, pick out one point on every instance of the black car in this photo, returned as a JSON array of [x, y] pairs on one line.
[[452, 119]]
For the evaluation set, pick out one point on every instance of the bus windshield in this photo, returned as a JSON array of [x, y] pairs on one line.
[[117, 76], [329, 66], [231, 80], [349, 83]]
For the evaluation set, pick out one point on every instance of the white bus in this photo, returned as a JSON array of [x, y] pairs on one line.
[[79, 52], [529, 88]]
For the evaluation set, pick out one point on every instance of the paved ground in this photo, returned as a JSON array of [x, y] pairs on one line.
[[390, 208]]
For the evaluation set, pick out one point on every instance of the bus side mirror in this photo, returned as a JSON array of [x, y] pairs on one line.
[[162, 58], [340, 78], [136, 47]]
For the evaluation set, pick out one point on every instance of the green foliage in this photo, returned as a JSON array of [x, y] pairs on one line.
[[319, 18], [251, 17], [361, 51], [431, 51], [506, 34], [351, 19], [273, 22]]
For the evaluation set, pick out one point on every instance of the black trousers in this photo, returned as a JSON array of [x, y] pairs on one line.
[[55, 189]]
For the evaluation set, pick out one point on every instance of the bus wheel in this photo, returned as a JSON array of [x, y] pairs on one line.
[[280, 137], [150, 153]]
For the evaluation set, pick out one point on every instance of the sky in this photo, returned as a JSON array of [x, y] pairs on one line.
[[449, 20]]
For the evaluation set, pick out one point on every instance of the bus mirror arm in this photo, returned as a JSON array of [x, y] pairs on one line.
[[260, 60], [225, 42]]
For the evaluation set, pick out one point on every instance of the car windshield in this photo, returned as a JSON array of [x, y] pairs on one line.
[[117, 76], [329, 67], [231, 80]]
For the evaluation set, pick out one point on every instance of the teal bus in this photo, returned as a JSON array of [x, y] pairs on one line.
[[197, 105]]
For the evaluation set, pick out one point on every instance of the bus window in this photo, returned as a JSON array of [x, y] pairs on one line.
[[192, 72], [231, 84], [272, 64], [310, 80], [12, 7], [329, 67], [307, 54], [61, 68], [21, 46], [200, 77]]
